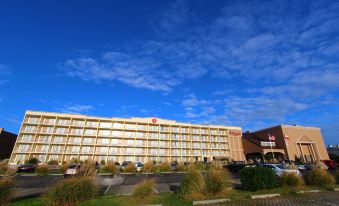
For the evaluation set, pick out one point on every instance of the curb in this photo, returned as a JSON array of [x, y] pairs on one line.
[[264, 196], [152, 205], [206, 202], [336, 189], [28, 175], [105, 174], [56, 174], [308, 191]]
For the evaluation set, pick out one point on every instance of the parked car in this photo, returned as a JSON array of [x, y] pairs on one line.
[[72, 170], [26, 168], [139, 166], [280, 169], [236, 166], [330, 164], [174, 165]]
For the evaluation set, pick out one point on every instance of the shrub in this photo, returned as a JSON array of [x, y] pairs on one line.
[[3, 166], [181, 167], [193, 185], [336, 175], [143, 189], [148, 167], [42, 169], [68, 192], [6, 190], [291, 179], [216, 180], [200, 166], [256, 178], [109, 168], [102, 162], [130, 168], [164, 167], [64, 167], [33, 161], [319, 177], [53, 162]]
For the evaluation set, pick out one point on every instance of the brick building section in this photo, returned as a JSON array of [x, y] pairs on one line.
[[291, 142], [7, 141]]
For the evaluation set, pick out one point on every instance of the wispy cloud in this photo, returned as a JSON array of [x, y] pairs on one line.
[[4, 74], [75, 108]]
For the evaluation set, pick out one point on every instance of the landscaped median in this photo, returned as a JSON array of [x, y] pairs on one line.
[[210, 187]]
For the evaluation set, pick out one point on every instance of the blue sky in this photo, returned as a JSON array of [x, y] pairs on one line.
[[245, 63]]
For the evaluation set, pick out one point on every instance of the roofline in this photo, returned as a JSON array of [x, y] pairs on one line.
[[286, 126], [133, 119]]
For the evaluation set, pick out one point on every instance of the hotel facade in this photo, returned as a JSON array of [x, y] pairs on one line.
[[62, 137]]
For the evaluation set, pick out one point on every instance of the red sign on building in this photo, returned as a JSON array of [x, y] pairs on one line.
[[154, 120], [235, 133]]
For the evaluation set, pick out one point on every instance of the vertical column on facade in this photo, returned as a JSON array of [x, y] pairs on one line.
[[301, 150]]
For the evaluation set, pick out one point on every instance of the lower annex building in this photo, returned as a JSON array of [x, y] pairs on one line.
[[62, 137]]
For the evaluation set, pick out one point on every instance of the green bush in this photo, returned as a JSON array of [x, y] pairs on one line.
[[148, 167], [216, 180], [70, 191], [6, 191], [336, 175], [319, 177], [291, 179], [33, 161], [200, 166], [63, 167], [256, 178], [130, 168], [193, 185], [181, 167], [164, 167], [143, 189], [109, 168], [42, 169], [53, 162]]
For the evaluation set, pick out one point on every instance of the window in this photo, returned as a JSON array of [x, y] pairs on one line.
[[114, 150], [175, 152], [103, 141], [76, 140], [64, 122], [33, 119], [142, 127], [80, 123], [175, 136], [129, 134], [44, 148], [140, 134], [23, 148], [77, 131], [115, 141], [49, 120], [27, 138], [164, 128], [162, 143], [184, 129], [196, 145], [162, 152], [130, 142], [138, 142], [92, 124], [196, 137], [213, 131], [175, 144], [42, 157], [56, 148], [175, 129], [30, 128], [45, 138], [116, 133], [88, 140], [164, 136], [185, 137], [195, 130], [118, 125], [153, 135], [75, 149], [154, 128], [130, 126], [104, 132], [90, 132], [61, 130], [153, 143], [85, 149], [105, 124], [196, 152], [138, 151], [58, 139], [47, 129]]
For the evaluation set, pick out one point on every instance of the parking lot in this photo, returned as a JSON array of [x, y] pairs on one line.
[[28, 185]]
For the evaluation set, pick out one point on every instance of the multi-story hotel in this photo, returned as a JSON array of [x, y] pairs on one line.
[[56, 136]]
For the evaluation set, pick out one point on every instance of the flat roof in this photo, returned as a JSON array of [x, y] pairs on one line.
[[287, 126], [131, 119]]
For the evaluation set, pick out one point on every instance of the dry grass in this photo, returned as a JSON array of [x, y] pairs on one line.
[[164, 167], [319, 177], [42, 169], [291, 179], [6, 187], [148, 167], [144, 189], [193, 185], [109, 168], [216, 180], [130, 168], [181, 167]]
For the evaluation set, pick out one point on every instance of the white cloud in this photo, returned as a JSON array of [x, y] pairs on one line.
[[76, 108]]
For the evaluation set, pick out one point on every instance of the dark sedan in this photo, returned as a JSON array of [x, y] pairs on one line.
[[26, 168]]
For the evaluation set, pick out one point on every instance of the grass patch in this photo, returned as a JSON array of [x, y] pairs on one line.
[[29, 202]]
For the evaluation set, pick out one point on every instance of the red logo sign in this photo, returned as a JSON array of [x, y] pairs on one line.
[[286, 138], [154, 120], [235, 132]]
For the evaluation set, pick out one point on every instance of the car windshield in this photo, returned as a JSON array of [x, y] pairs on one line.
[[73, 167], [283, 167]]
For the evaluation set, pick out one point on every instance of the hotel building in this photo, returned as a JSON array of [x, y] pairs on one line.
[[62, 137], [291, 142]]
